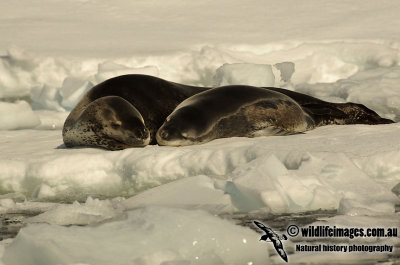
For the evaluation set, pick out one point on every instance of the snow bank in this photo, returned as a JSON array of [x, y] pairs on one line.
[[321, 182], [366, 72], [18, 115], [148, 236], [271, 174]]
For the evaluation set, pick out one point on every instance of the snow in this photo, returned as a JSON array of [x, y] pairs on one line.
[[99, 28], [166, 205]]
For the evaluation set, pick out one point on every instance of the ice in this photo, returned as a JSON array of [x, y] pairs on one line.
[[321, 182], [92, 211], [384, 167], [199, 192], [287, 69], [244, 74], [14, 81], [9, 206], [263, 75], [24, 71], [18, 115], [46, 97], [256, 179], [43, 191], [152, 235], [370, 207], [72, 90]]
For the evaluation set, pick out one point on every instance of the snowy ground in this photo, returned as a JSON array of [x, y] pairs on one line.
[[349, 168], [194, 205]]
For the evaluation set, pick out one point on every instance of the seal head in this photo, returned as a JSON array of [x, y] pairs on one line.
[[185, 126], [110, 122]]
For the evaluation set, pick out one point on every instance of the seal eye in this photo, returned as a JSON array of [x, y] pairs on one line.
[[116, 124]]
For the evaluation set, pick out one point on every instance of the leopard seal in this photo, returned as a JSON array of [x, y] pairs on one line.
[[230, 111], [124, 111]]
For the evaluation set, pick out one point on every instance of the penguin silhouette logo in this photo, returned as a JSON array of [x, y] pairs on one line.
[[271, 236]]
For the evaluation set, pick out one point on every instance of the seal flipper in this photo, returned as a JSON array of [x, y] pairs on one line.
[[360, 114], [320, 110]]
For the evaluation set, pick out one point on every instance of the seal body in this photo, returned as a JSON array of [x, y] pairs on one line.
[[233, 111], [124, 111]]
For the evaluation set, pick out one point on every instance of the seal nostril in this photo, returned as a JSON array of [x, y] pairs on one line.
[[141, 133]]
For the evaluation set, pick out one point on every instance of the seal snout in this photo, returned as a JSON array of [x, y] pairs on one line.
[[139, 137], [166, 135], [142, 133]]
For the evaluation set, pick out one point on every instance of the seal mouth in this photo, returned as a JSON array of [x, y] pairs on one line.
[[112, 143], [140, 143], [138, 137], [119, 145], [164, 138], [133, 141]]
